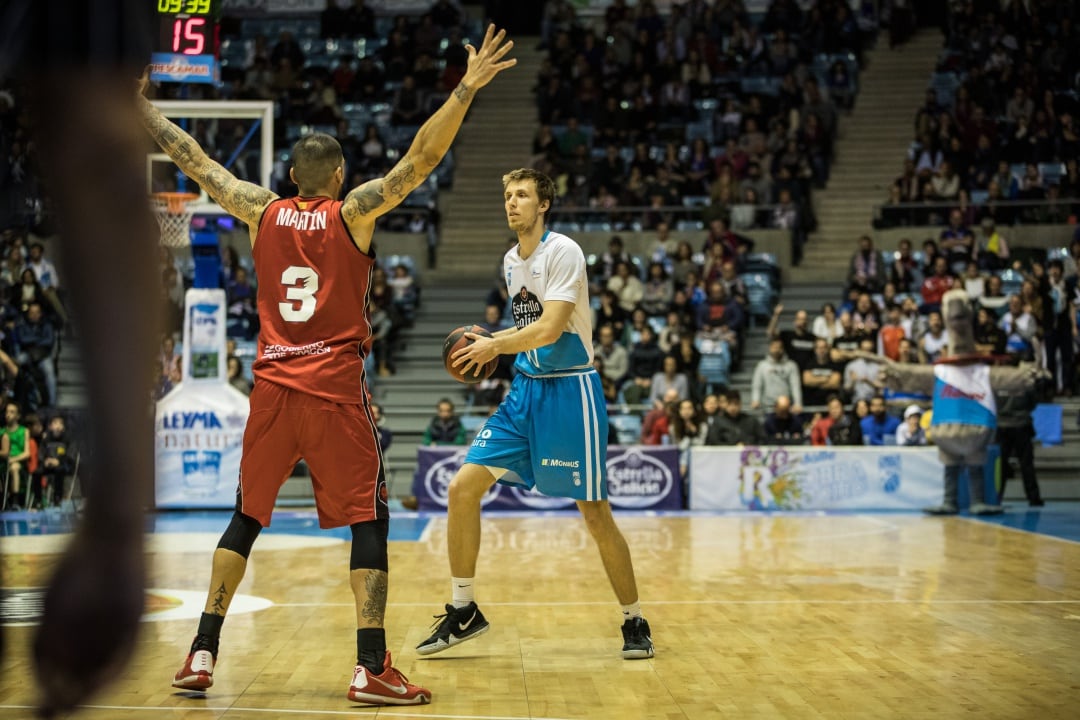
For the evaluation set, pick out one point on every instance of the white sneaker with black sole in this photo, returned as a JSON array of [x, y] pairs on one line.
[[454, 628]]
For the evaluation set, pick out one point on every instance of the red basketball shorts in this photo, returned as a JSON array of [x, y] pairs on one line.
[[339, 443]]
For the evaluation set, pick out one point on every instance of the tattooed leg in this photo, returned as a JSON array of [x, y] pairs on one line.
[[228, 571], [369, 588]]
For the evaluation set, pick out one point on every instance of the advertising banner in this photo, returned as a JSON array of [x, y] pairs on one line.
[[639, 478], [174, 67], [199, 425], [793, 478]]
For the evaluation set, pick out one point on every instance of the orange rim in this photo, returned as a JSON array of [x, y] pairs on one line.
[[175, 202]]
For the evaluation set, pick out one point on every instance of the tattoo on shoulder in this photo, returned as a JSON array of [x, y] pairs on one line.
[[363, 200]]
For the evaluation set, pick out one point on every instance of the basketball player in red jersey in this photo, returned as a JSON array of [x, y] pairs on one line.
[[314, 261]]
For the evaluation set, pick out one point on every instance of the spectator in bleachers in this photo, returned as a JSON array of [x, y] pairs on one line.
[[957, 241], [993, 297], [645, 360], [687, 429], [627, 287], [890, 334], [935, 341], [989, 338], [848, 341], [974, 281], [865, 316], [821, 377], [782, 426], [446, 427], [403, 291], [1020, 328], [1058, 328], [610, 313], [862, 375], [658, 291], [36, 342], [15, 452], [720, 312], [936, 285], [865, 270], [607, 385], [656, 425], [798, 342], [241, 303], [615, 356], [667, 378], [909, 351], [827, 325], [776, 375], [991, 248], [235, 374], [910, 433], [734, 427], [26, 291], [878, 424]]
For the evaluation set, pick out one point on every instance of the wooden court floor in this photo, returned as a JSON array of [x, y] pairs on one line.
[[848, 616]]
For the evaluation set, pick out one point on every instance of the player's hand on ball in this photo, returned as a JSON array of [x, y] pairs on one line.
[[475, 356]]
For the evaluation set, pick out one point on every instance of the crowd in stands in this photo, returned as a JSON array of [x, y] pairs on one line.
[[998, 135], [729, 114]]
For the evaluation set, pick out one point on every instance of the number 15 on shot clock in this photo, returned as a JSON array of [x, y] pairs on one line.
[[187, 45]]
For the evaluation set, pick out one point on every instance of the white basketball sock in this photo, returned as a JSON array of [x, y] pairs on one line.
[[462, 589], [631, 611]]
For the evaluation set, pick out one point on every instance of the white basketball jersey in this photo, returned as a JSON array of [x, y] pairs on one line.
[[555, 271]]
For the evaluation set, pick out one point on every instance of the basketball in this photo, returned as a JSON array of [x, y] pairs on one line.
[[457, 340]]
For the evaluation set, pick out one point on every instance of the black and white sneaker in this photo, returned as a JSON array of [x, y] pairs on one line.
[[637, 640], [453, 628]]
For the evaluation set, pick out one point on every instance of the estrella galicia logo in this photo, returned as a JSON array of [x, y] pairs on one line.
[[527, 308], [438, 476], [637, 480]]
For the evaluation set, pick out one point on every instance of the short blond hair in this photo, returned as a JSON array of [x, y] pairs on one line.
[[545, 186]]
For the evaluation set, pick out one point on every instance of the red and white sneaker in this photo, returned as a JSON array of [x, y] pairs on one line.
[[390, 688], [197, 673]]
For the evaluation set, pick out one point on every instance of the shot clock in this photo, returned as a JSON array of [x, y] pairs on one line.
[[187, 44]]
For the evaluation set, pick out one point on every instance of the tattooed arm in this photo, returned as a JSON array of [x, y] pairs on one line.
[[245, 200], [365, 203]]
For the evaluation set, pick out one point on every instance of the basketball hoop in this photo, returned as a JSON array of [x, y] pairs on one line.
[[174, 216]]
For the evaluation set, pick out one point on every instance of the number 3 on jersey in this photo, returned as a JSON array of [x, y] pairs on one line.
[[302, 284]]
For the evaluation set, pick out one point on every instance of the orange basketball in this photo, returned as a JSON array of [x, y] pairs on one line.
[[457, 340]]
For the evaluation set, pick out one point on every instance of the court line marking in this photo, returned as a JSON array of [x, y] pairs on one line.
[[353, 712], [987, 601], [1037, 533]]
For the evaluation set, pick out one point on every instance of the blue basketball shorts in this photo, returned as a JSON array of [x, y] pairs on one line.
[[552, 432]]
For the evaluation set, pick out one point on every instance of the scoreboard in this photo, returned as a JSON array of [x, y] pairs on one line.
[[186, 49]]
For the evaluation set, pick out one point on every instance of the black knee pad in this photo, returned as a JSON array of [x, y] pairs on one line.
[[241, 534], [369, 545]]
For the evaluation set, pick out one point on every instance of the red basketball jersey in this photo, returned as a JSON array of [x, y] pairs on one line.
[[313, 289]]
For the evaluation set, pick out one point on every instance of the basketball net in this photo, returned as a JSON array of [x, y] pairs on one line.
[[174, 216]]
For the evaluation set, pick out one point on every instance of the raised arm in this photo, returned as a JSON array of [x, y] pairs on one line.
[[365, 203], [245, 200]]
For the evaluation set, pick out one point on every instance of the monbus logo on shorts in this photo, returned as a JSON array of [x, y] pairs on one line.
[[556, 462]]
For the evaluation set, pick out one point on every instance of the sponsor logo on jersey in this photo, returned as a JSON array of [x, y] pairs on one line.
[[955, 393], [526, 307], [556, 462]]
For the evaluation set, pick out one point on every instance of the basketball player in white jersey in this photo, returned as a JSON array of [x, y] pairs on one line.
[[551, 429]]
